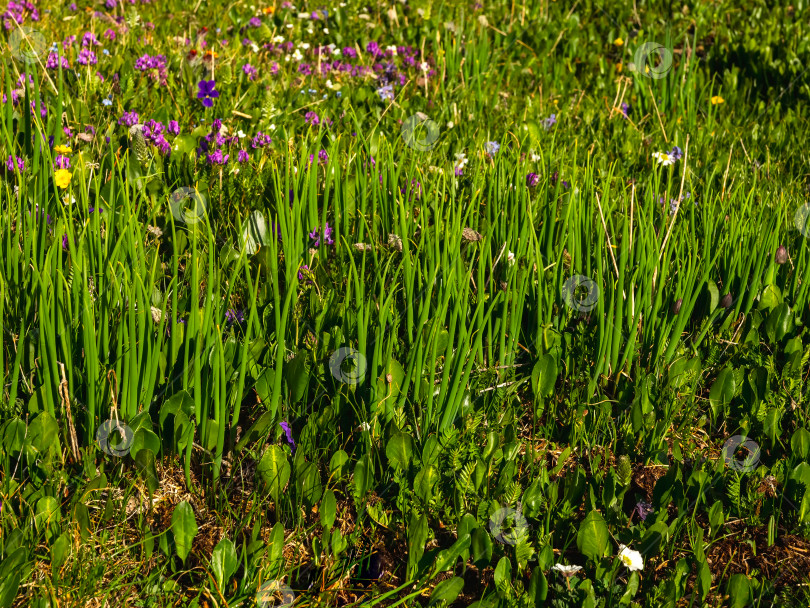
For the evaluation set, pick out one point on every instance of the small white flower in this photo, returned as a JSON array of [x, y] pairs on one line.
[[510, 258], [271, 127], [287, 58], [450, 124], [240, 134], [630, 558], [303, 15], [310, 30], [289, 26], [278, 39], [329, 84], [297, 55], [304, 45], [567, 570], [365, 426], [337, 51], [425, 67], [254, 47], [534, 157], [663, 158], [326, 31], [391, 48]]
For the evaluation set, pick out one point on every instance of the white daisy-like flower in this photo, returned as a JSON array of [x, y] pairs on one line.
[[329, 84], [304, 45], [254, 47], [567, 570], [534, 157], [336, 51], [297, 55], [663, 158], [630, 558], [391, 48], [278, 39], [425, 67], [240, 134]]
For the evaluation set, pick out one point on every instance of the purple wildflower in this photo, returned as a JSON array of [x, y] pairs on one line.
[[243, 156], [550, 121], [173, 127], [19, 161], [87, 57], [288, 432], [250, 71], [532, 179], [217, 158], [644, 509], [207, 92], [234, 316], [128, 119], [327, 234]]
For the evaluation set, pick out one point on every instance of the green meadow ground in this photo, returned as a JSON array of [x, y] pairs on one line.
[[404, 304]]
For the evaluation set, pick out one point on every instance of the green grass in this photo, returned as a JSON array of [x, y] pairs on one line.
[[545, 341]]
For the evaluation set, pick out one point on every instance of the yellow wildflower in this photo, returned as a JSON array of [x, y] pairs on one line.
[[269, 10], [717, 100], [62, 149], [62, 178], [618, 42], [619, 67]]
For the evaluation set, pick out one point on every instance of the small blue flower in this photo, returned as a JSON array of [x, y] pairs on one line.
[[105, 51], [339, 94], [106, 102], [550, 121], [493, 147]]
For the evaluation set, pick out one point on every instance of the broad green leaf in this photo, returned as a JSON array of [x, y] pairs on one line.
[[592, 537], [297, 376], [739, 591], [224, 561], [447, 591], [328, 509], [274, 470], [184, 529], [399, 450], [447, 558], [800, 443], [544, 375], [144, 439]]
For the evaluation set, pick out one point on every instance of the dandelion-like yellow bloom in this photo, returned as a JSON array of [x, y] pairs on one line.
[[619, 67], [62, 178], [717, 100], [618, 42], [269, 10], [62, 149]]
